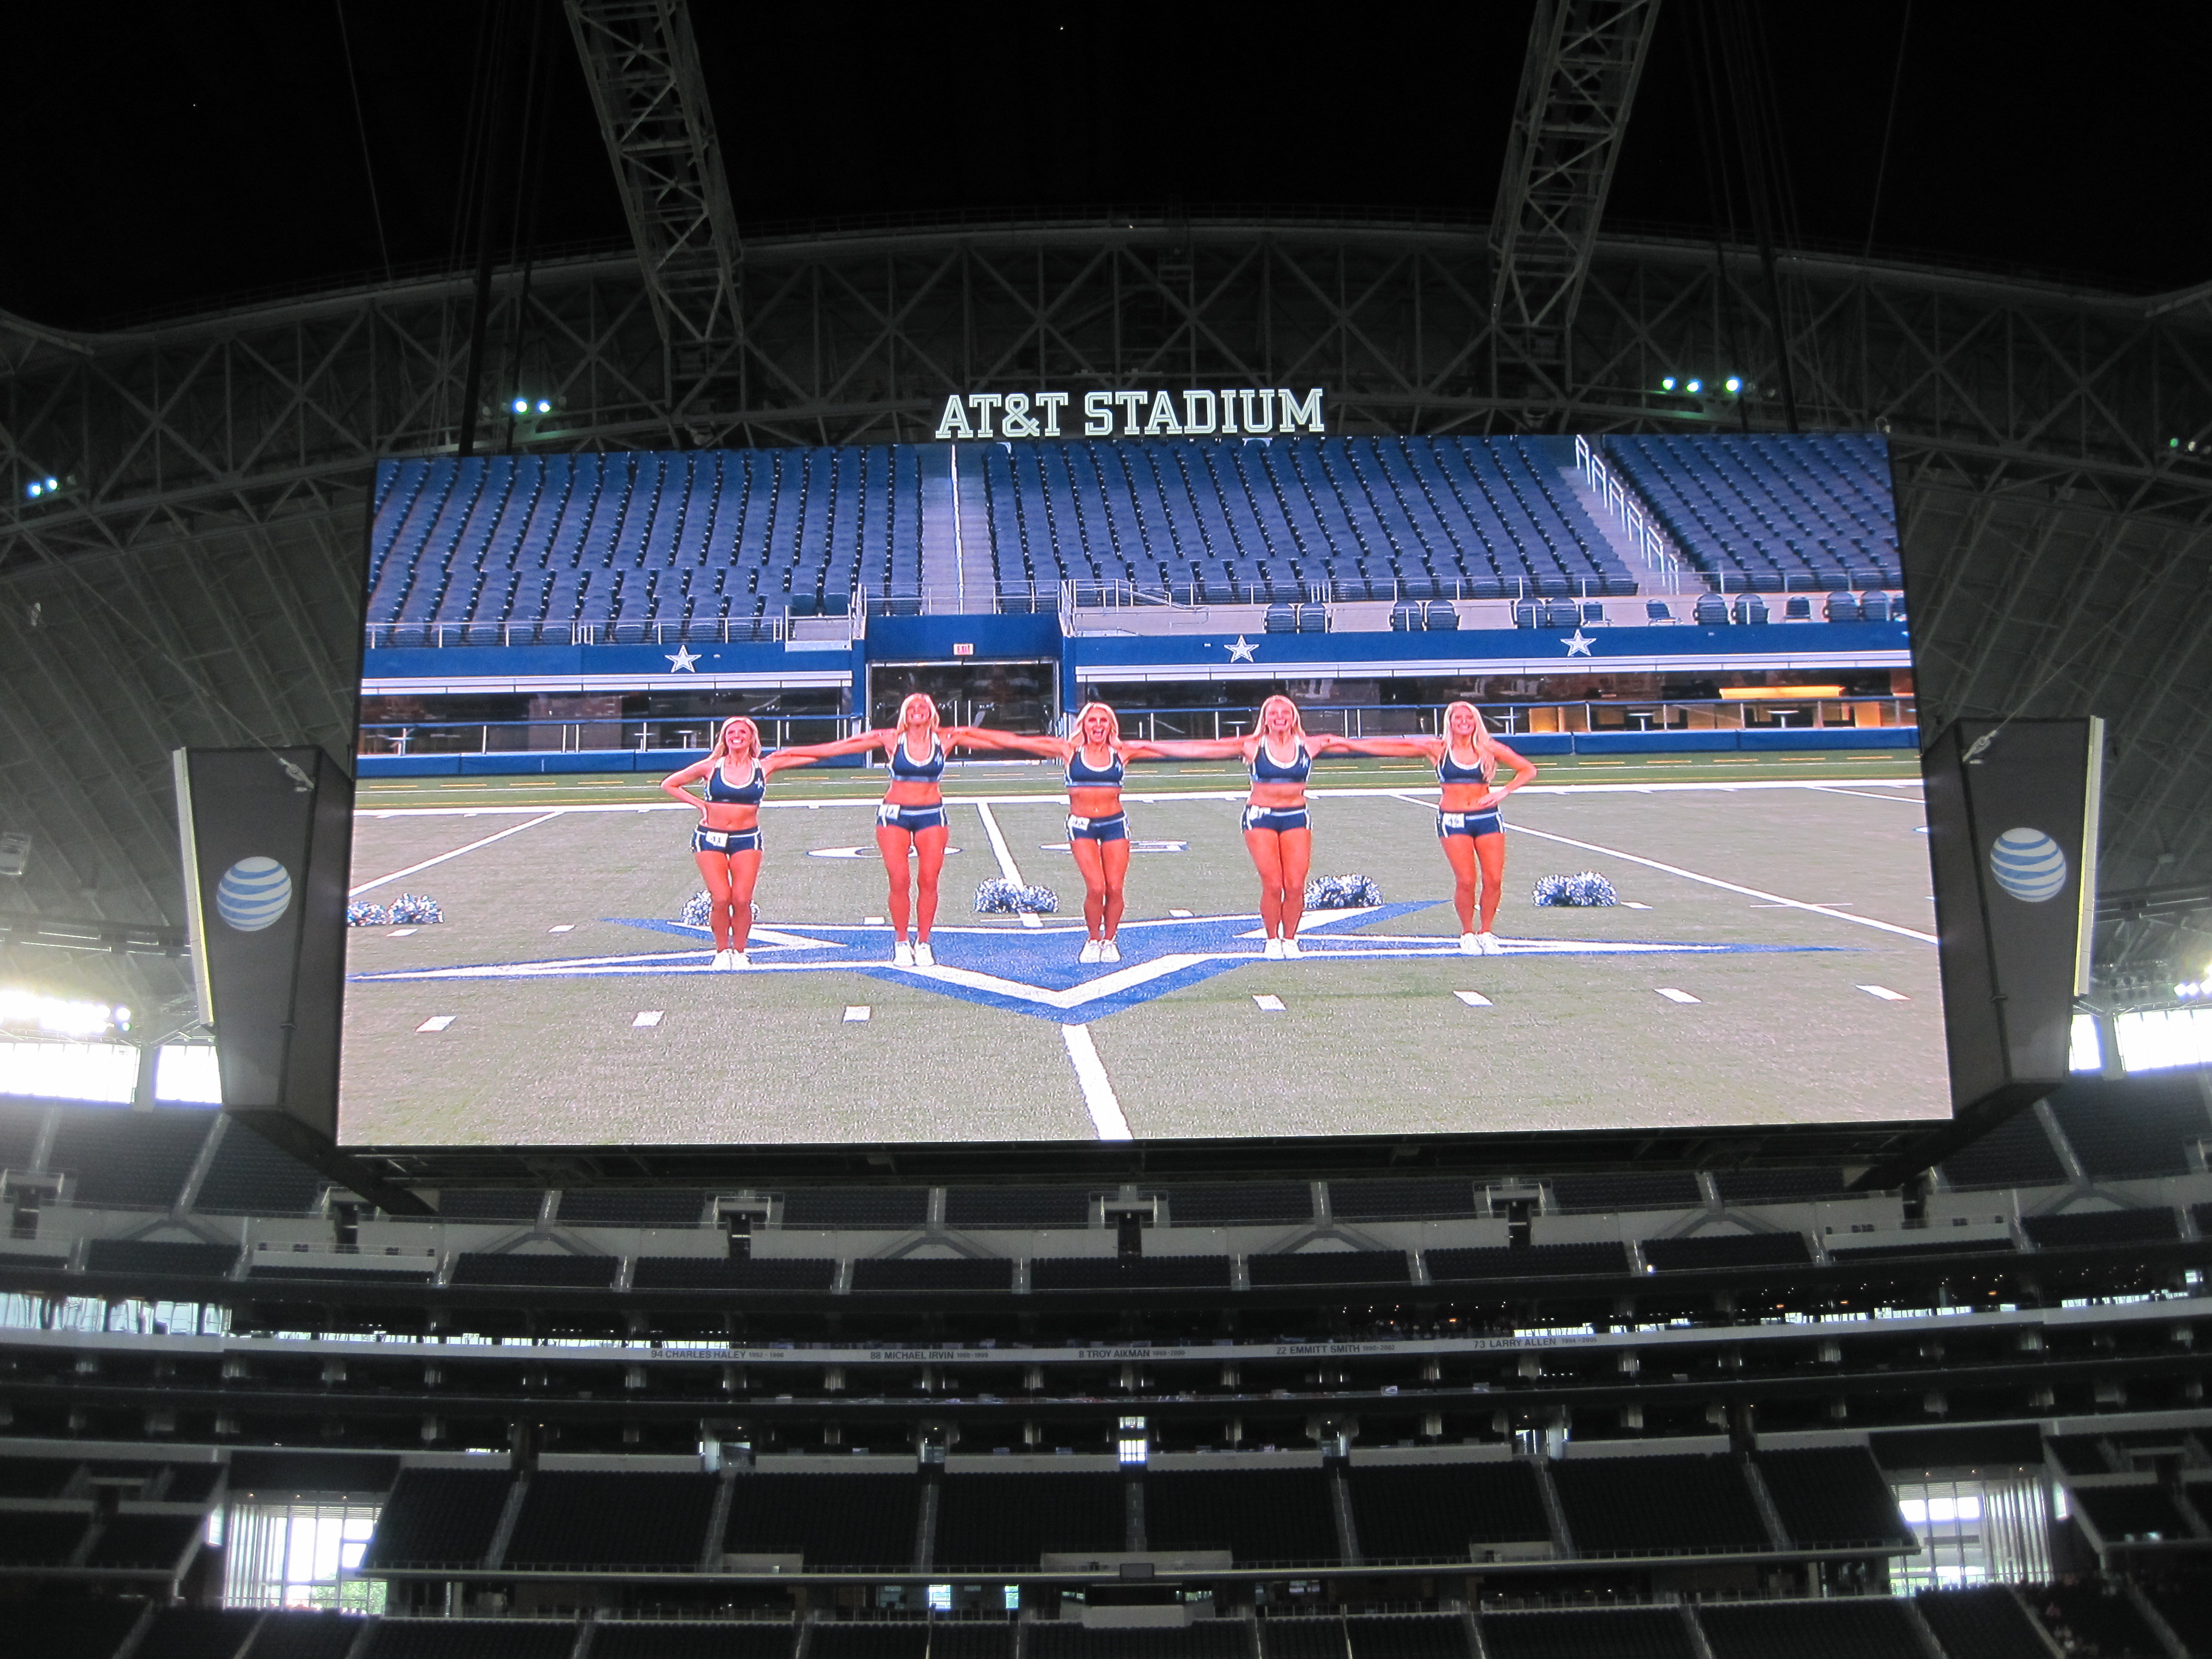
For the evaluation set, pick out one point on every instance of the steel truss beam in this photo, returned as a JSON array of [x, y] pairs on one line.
[[196, 579], [1577, 86]]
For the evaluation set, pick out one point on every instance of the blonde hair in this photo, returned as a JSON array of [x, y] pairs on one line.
[[1298, 720], [906, 707], [1113, 725], [721, 750], [1485, 750]]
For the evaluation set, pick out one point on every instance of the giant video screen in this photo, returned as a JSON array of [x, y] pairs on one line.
[[1138, 787]]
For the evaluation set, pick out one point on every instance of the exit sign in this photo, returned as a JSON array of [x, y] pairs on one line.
[[959, 650]]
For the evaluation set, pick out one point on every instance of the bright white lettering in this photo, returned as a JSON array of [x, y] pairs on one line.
[[1051, 403], [1162, 422], [1130, 402], [1263, 423], [985, 402], [1190, 420], [1229, 411], [954, 423], [1019, 423], [1296, 414], [1097, 414]]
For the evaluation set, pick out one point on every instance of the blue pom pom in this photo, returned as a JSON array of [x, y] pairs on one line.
[[1000, 897], [1342, 893], [415, 910], [1588, 889], [699, 908], [362, 913]]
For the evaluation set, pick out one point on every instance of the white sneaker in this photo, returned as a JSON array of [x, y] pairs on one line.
[[1088, 952], [1290, 948], [1274, 951], [739, 959], [1469, 946], [1488, 942], [901, 955], [721, 960], [1109, 952], [923, 956]]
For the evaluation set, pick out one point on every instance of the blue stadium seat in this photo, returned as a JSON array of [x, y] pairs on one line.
[[1749, 610], [1841, 608], [1441, 615], [1874, 607], [1655, 611], [1281, 619], [1797, 609], [1711, 611]]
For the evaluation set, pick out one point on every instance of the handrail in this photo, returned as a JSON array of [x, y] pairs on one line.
[[1652, 543]]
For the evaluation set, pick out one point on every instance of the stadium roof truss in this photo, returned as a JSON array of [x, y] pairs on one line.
[[194, 577]]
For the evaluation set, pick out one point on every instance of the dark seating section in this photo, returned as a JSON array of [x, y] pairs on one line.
[[1539, 1261], [830, 1520], [1303, 1638], [934, 1273], [1017, 1207], [2187, 1609], [2094, 1618], [472, 1638], [1932, 1247], [1418, 1636], [1780, 1185], [1329, 1268], [1657, 1505], [1254, 1203], [1416, 1511], [2133, 1130], [192, 1483], [64, 1627], [127, 1160], [1830, 1495], [548, 1271], [621, 1206], [1083, 1272], [489, 1204], [1256, 1515], [657, 1273], [2017, 1153], [40, 1538], [971, 1639], [248, 1176], [1669, 1189], [1009, 1520], [1402, 1199], [290, 1635], [37, 1477], [664, 1638], [2080, 1454], [350, 1275], [841, 1641], [158, 1258], [196, 1633], [1206, 1638], [148, 1542], [1598, 1633], [2001, 1445], [1979, 1624], [570, 1518], [1869, 1627], [438, 1518], [2079, 1230], [827, 1209], [1726, 1250], [2122, 1513], [342, 1473]]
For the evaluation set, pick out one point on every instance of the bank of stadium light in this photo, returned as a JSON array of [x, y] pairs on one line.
[[60, 1016], [1734, 384], [40, 487]]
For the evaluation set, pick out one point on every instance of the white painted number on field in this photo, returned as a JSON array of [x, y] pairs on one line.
[[1674, 995], [1885, 993], [1269, 1005], [1474, 999], [857, 1015], [437, 1022], [648, 1017]]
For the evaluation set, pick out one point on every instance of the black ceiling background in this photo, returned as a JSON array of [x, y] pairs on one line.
[[169, 158]]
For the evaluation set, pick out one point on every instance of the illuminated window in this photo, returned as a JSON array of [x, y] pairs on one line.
[[186, 1075], [1135, 1443], [940, 1598], [104, 1071], [1974, 1532], [2160, 1038], [295, 1555], [2087, 1051]]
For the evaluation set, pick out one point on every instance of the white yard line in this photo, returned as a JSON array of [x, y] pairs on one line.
[[501, 835], [1005, 854], [1098, 1096]]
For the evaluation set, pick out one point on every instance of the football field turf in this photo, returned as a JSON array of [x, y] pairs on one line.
[[1772, 961]]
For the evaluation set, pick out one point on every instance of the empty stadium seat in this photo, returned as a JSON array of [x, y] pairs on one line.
[[1711, 610], [1840, 608]]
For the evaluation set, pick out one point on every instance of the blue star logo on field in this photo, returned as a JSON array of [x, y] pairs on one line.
[[1242, 649], [1035, 971]]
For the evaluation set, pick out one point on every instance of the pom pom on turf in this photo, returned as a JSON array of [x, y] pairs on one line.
[[1000, 897], [1587, 888], [362, 913], [698, 909], [414, 910], [1342, 893]]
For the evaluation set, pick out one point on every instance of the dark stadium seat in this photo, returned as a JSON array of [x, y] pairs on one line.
[[2094, 1618], [1592, 1633], [1661, 1505], [516, 1203], [898, 1209], [837, 1521], [662, 1273], [1797, 608], [249, 1175], [546, 1270], [146, 1542], [64, 1626], [933, 1274], [1239, 1204], [1024, 1206], [1874, 607], [1714, 1250], [160, 1258], [1711, 610], [2017, 1153], [1329, 1268], [626, 1206], [1831, 1496], [198, 1633], [2092, 1229], [2132, 1514], [1498, 1261], [987, 1521], [902, 1640], [1980, 1624], [1780, 1185], [1840, 608], [2137, 1129], [438, 1518], [1401, 1198], [1406, 1636], [1749, 611], [1848, 1628], [1671, 1189], [122, 1159], [665, 1638], [1129, 1272], [1279, 619], [571, 1518], [472, 1638], [1206, 1638], [1441, 615], [1256, 1515], [40, 1538], [1439, 1511]]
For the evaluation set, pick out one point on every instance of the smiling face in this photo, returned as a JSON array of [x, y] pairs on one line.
[[1097, 725], [1279, 717], [740, 740], [1461, 723], [918, 715]]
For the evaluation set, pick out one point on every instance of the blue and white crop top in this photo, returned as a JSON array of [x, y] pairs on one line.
[[719, 788], [907, 770], [1266, 769], [1450, 771], [1081, 774]]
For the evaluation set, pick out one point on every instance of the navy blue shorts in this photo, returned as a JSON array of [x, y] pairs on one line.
[[1276, 818], [1473, 825], [912, 820], [704, 839], [1114, 829]]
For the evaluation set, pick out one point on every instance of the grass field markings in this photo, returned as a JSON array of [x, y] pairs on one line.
[[1909, 800], [871, 921], [1269, 1002], [399, 933], [565, 927], [1885, 993], [1098, 1096], [647, 1019], [1729, 886], [1180, 915], [437, 1022], [1474, 999], [1005, 854], [1674, 995], [857, 1014], [1105, 985], [1826, 904], [412, 869], [1631, 904]]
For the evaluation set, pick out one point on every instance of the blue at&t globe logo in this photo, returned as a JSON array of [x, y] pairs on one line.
[[252, 894], [2028, 864]]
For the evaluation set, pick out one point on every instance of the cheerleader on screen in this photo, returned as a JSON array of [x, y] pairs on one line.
[[726, 842]]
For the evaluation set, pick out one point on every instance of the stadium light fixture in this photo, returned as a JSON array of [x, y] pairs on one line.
[[34, 490], [1667, 385], [1734, 385], [544, 405], [1696, 385], [59, 1015], [522, 405]]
